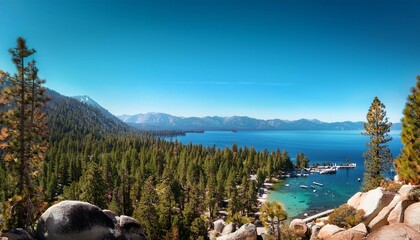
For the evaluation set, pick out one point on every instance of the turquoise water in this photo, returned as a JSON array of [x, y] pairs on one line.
[[319, 146]]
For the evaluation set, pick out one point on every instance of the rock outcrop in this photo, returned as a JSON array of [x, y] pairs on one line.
[[354, 201], [358, 232], [409, 192], [397, 214], [16, 234], [382, 218], [371, 202], [388, 215], [412, 216], [130, 228], [396, 231], [328, 231], [218, 225], [228, 229], [246, 232], [74, 220], [298, 227], [83, 221]]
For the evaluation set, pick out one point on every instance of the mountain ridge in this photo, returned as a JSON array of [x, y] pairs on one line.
[[164, 121]]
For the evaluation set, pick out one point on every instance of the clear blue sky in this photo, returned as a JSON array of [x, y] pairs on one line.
[[265, 59]]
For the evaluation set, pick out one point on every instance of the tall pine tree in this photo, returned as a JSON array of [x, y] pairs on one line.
[[23, 137], [408, 163], [93, 186], [378, 157]]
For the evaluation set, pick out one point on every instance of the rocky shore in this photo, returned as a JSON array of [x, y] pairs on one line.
[[393, 215]]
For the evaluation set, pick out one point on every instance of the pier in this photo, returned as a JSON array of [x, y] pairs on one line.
[[321, 214]]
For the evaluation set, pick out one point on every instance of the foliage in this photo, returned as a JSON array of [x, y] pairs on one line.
[[391, 186], [93, 186], [408, 162], [346, 216], [302, 161], [166, 185], [238, 219], [271, 214], [146, 212], [198, 228], [23, 137], [378, 157]]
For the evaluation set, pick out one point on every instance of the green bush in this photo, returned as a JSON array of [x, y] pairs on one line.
[[346, 216]]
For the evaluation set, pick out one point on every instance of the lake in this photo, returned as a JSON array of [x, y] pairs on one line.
[[319, 147]]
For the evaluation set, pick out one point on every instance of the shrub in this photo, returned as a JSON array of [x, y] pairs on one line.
[[391, 186], [346, 216], [238, 219]]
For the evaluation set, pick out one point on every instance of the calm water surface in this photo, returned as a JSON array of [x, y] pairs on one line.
[[319, 146]]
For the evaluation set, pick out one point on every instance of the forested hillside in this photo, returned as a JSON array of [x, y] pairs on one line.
[[168, 186], [68, 117]]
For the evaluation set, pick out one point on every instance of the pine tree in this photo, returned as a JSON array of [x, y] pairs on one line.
[[146, 212], [408, 163], [93, 186], [378, 157], [271, 215], [23, 137], [198, 229]]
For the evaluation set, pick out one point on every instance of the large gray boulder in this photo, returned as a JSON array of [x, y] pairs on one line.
[[328, 231], [228, 229], [382, 218], [358, 232], [398, 231], [16, 234], [131, 228], [111, 215], [412, 216], [70, 220], [298, 227], [218, 225], [246, 232]]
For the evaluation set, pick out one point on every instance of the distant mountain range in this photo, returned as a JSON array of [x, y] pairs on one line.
[[162, 121]]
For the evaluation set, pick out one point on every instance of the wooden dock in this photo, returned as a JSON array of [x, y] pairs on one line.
[[321, 214]]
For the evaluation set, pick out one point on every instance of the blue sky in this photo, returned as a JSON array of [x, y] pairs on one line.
[[295, 59]]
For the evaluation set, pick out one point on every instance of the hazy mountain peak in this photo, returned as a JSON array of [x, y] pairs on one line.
[[163, 121]]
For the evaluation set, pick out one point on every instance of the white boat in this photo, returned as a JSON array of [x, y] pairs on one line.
[[319, 184], [286, 185], [303, 186], [328, 171]]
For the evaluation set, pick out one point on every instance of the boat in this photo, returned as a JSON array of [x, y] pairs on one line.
[[303, 186], [358, 179], [319, 184], [328, 171], [305, 175], [348, 165], [286, 185], [314, 190]]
